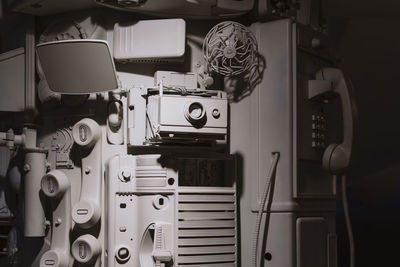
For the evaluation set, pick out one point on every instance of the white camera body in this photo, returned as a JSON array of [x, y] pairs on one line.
[[187, 118]]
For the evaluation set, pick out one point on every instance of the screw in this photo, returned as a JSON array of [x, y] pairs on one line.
[[88, 170], [268, 256], [47, 165], [216, 113], [58, 222], [27, 167], [126, 175]]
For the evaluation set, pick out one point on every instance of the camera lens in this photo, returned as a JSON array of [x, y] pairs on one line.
[[195, 112]]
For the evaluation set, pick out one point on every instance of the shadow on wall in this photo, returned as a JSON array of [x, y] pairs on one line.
[[370, 56]]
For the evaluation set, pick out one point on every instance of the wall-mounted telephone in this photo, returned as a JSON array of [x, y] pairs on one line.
[[336, 157], [325, 122]]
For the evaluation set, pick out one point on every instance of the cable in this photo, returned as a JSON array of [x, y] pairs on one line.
[[151, 126], [348, 223], [271, 175]]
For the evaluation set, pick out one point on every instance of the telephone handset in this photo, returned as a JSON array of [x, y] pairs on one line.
[[87, 134], [56, 186], [336, 157]]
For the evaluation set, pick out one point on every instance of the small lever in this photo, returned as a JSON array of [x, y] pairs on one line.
[[162, 236]]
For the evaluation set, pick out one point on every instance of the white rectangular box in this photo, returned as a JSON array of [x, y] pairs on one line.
[[176, 79], [153, 41], [136, 116]]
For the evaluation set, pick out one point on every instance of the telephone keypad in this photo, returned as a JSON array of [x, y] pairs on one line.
[[318, 126]]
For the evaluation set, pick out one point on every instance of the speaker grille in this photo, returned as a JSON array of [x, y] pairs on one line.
[[207, 229]]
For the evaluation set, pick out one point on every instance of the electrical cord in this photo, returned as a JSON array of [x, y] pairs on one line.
[[151, 125], [270, 176], [348, 223]]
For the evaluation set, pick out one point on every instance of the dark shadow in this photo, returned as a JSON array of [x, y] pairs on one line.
[[247, 82], [239, 173]]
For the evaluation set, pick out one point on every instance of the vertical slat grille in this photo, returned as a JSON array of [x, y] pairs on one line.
[[207, 229]]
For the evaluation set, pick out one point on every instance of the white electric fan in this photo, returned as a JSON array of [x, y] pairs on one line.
[[230, 49]]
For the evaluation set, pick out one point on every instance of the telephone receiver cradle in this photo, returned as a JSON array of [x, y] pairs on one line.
[[56, 186], [87, 211], [336, 157], [87, 134]]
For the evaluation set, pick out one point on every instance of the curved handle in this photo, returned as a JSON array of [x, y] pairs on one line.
[[87, 134], [336, 157]]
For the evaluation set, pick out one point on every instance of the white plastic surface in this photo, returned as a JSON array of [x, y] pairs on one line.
[[136, 116], [154, 40], [34, 217], [166, 224], [130, 214], [185, 8]]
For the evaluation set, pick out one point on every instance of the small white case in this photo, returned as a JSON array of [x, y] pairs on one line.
[[153, 41]]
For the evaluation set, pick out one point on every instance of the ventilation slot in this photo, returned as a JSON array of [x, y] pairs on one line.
[[151, 60], [207, 229], [149, 172]]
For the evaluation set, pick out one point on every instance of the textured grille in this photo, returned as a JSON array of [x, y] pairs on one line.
[[149, 173], [207, 229]]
